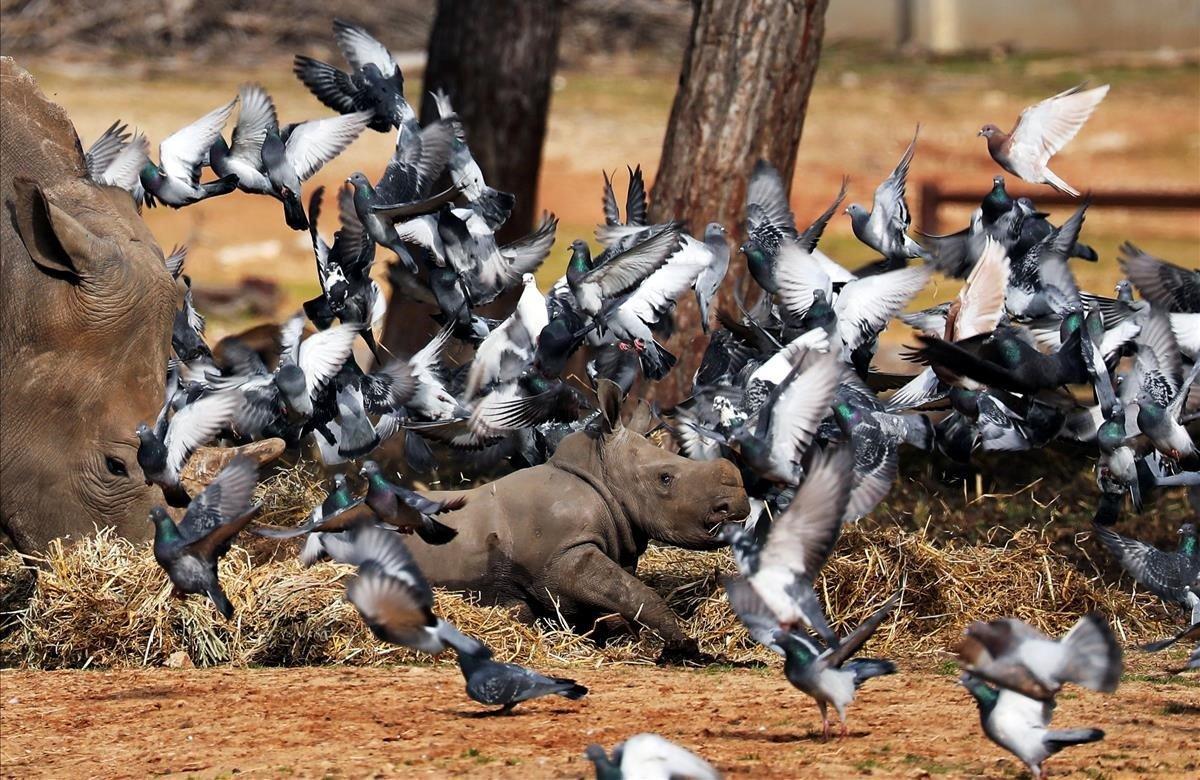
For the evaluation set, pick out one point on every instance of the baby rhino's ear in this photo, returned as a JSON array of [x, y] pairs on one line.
[[58, 243], [642, 419], [609, 395]]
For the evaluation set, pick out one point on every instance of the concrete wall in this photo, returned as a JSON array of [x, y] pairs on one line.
[[949, 26]]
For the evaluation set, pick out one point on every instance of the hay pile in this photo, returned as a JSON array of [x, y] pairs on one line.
[[104, 603]]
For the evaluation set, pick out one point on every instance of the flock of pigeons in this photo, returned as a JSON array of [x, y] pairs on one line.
[[786, 389]]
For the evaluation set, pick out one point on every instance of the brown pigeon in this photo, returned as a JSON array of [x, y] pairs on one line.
[[1041, 131]]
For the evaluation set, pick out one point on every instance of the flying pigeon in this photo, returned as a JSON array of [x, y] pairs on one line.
[[395, 600], [1168, 575], [709, 281], [163, 451], [189, 552], [373, 84], [1017, 657], [1191, 633], [176, 179], [649, 757], [116, 159], [885, 227], [406, 509], [1170, 287], [1041, 131]]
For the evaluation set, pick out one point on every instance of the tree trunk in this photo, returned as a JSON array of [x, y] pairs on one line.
[[496, 61], [743, 93]]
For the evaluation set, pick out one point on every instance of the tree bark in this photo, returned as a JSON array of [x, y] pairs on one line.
[[743, 93], [496, 61]]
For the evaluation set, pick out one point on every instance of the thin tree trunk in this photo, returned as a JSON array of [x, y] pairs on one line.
[[496, 61], [743, 93]]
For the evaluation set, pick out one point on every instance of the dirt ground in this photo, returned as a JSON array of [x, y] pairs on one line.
[[416, 722]]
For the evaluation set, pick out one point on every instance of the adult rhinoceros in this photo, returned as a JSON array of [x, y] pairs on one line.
[[87, 308], [564, 537]]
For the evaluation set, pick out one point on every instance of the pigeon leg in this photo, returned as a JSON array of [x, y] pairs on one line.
[[824, 721]]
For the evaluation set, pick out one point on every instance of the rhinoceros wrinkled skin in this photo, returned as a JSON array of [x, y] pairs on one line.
[[564, 538], [87, 309]]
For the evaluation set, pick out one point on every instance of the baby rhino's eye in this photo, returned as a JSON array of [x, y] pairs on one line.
[[666, 479], [115, 466]]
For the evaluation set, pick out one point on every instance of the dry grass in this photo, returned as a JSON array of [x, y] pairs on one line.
[[104, 602]]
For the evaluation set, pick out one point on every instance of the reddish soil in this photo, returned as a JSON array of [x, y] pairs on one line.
[[406, 722]]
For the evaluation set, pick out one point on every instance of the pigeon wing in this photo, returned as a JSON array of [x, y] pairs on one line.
[[865, 306], [322, 355], [980, 303], [626, 270], [801, 406], [803, 536], [890, 211], [1162, 283], [767, 202], [799, 276], [105, 149], [859, 636], [1048, 126], [182, 153], [316, 142], [225, 500], [523, 256], [1167, 575], [360, 48], [256, 117], [197, 424]]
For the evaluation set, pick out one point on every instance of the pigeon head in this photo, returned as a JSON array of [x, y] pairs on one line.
[[1187, 529], [714, 231], [1124, 291], [984, 694], [988, 131], [581, 257], [290, 380], [858, 215], [605, 768], [360, 183], [369, 469], [339, 481]]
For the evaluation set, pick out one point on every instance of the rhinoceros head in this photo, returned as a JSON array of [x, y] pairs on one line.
[[668, 498], [88, 306]]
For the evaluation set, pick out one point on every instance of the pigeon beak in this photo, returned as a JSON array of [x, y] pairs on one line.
[[980, 133]]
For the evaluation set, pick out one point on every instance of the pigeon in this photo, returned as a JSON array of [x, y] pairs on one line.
[[406, 509], [1020, 724], [885, 227], [593, 286], [116, 159], [189, 552], [1170, 287], [649, 757], [274, 161], [395, 600], [778, 578], [1019, 658], [830, 675], [1041, 131], [510, 347], [492, 205], [491, 682], [373, 84], [1169, 575], [176, 179], [163, 451], [1160, 390]]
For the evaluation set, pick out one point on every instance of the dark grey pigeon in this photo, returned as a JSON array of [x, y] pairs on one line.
[[494, 683], [373, 84], [1168, 575], [1165, 284], [189, 552]]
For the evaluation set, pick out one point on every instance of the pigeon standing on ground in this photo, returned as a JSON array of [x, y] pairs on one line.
[[885, 227], [1041, 131], [491, 682], [176, 179], [189, 552], [649, 757]]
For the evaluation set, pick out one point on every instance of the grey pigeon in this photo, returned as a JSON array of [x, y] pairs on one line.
[[1021, 725], [1042, 131], [163, 451], [885, 227], [373, 84], [116, 159], [176, 179], [1160, 391], [831, 675], [189, 552], [649, 757], [709, 281], [395, 600], [1015, 656], [494, 683], [1191, 633], [1168, 575]]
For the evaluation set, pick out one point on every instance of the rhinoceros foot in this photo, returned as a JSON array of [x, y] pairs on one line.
[[204, 465]]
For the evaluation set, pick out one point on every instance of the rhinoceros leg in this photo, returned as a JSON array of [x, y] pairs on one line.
[[591, 579]]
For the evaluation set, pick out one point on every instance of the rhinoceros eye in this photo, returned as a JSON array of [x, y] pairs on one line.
[[666, 478], [116, 466]]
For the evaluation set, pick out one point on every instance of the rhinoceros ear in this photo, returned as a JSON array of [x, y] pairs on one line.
[[58, 243], [609, 395], [642, 420]]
